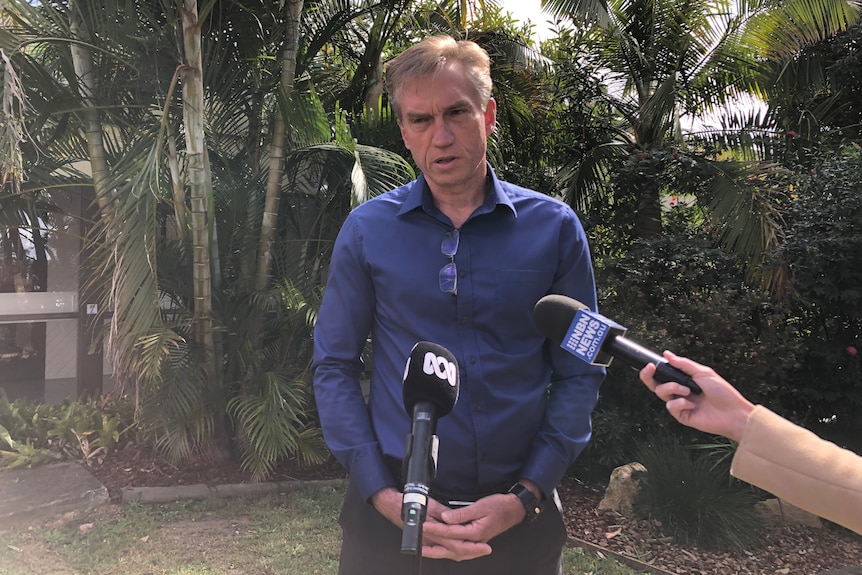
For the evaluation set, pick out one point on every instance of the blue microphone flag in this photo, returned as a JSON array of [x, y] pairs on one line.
[[587, 334]]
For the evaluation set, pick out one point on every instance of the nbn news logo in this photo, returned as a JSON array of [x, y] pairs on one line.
[[587, 334]]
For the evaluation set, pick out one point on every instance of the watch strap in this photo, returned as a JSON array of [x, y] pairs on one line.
[[531, 503]]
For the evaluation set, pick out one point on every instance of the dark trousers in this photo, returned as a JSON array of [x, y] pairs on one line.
[[371, 545]]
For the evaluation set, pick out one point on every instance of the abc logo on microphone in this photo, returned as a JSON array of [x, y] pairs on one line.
[[440, 367]]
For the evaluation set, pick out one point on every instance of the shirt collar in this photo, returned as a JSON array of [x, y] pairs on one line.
[[419, 196]]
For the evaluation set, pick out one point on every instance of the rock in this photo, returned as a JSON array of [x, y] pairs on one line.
[[782, 511], [85, 528], [623, 489]]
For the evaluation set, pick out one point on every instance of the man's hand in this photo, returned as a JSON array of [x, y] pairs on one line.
[[387, 502], [464, 532], [440, 542]]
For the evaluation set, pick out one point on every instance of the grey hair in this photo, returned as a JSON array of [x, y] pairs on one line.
[[429, 56]]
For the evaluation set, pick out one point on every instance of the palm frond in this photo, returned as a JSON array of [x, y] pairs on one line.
[[272, 425], [783, 29], [584, 180], [741, 199]]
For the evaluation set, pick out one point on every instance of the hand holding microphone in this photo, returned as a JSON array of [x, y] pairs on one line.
[[598, 340], [430, 391], [721, 409]]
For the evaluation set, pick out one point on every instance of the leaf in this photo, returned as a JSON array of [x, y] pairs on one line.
[[612, 534]]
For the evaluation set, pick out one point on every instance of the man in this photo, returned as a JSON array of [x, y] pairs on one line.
[[457, 258]]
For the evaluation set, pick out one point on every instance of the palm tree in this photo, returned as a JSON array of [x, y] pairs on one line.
[[667, 59], [195, 155]]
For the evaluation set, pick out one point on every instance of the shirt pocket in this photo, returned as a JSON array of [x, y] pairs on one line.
[[517, 292]]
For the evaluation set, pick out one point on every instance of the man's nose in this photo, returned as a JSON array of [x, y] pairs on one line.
[[442, 134]]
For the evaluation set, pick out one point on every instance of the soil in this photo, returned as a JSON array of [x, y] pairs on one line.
[[784, 549]]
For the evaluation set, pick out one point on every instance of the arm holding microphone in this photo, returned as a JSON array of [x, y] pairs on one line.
[[773, 453]]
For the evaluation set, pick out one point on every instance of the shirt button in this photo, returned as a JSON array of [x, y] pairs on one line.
[[478, 408], [472, 361]]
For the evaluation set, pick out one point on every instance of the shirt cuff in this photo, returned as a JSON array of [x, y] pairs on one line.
[[370, 474]]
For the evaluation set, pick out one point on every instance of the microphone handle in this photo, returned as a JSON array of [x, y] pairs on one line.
[[421, 468], [637, 356]]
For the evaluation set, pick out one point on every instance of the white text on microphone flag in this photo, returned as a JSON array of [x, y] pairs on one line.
[[587, 334]]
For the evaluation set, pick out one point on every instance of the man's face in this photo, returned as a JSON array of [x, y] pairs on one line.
[[445, 128]]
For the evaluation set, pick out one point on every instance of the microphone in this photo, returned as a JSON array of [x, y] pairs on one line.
[[430, 391], [598, 340]]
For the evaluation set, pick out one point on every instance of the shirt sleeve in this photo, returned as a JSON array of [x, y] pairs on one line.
[[342, 327], [574, 386], [798, 466]]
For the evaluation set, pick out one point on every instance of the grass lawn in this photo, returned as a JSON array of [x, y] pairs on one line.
[[288, 534]]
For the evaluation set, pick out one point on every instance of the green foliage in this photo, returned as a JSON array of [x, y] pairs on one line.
[[582, 135], [823, 253], [20, 454], [614, 428], [681, 292], [270, 405], [35, 433], [694, 497]]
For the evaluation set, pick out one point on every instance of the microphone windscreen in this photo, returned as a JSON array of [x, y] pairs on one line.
[[553, 315], [431, 375]]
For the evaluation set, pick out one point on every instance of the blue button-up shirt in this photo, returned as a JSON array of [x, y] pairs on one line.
[[524, 406]]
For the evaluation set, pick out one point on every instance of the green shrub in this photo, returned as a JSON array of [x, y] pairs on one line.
[[680, 292], [823, 253], [694, 497], [32, 433]]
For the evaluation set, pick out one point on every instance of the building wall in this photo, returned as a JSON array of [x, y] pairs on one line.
[[58, 309]]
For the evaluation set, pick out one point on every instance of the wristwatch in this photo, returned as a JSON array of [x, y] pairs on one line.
[[531, 504]]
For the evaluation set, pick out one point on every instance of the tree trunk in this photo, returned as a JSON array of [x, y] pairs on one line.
[[648, 218], [178, 190], [200, 185], [82, 60], [12, 106], [277, 152]]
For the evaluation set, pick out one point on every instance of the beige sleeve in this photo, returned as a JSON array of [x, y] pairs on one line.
[[801, 468]]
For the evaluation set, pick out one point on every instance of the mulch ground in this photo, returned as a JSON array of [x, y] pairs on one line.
[[782, 550]]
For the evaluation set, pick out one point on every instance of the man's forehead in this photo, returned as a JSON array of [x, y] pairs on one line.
[[429, 93]]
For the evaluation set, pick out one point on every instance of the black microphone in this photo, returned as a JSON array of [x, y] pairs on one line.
[[597, 340], [430, 391]]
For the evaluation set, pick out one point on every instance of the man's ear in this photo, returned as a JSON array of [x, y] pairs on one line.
[[491, 116]]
